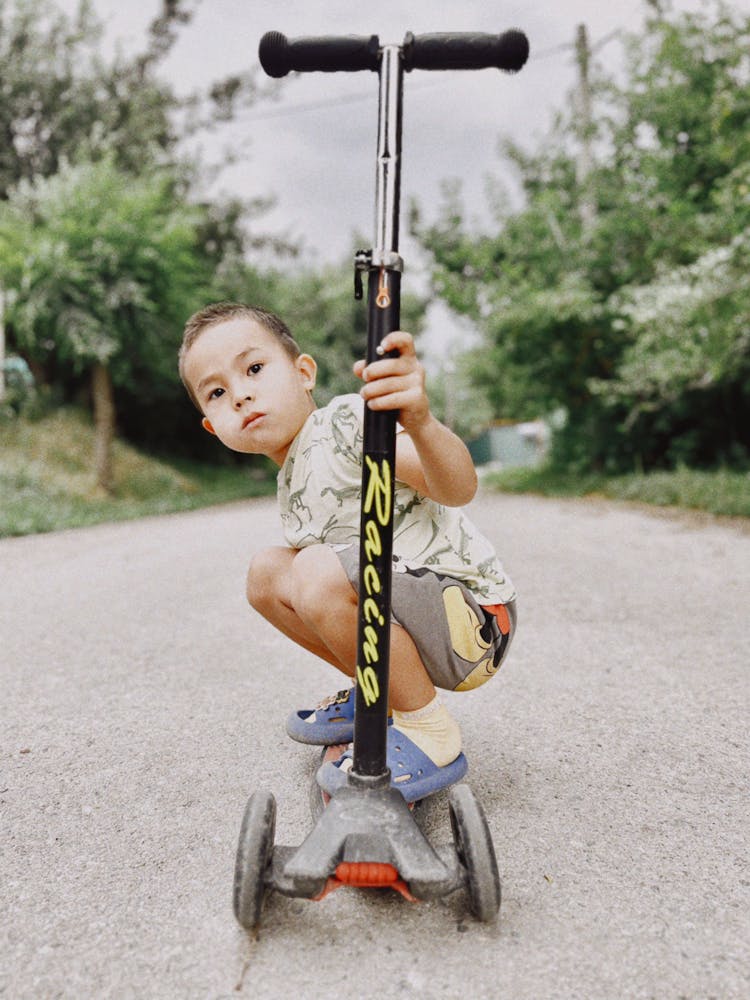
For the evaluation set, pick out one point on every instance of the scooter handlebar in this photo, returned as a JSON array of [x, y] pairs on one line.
[[466, 50], [280, 55]]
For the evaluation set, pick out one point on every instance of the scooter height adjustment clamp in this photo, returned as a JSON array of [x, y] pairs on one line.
[[388, 259], [368, 260]]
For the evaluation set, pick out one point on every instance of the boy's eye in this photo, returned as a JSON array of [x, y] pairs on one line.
[[254, 368], [216, 393]]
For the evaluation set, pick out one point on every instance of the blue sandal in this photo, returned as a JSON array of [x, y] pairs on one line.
[[412, 772], [331, 722]]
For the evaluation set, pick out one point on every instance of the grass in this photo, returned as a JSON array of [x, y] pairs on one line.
[[723, 491], [47, 483]]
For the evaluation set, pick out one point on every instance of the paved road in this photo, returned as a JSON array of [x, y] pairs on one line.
[[141, 703]]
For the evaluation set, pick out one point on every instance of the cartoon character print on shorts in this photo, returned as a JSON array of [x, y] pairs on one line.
[[483, 644], [462, 643]]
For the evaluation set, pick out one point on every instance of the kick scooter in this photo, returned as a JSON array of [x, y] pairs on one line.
[[367, 836]]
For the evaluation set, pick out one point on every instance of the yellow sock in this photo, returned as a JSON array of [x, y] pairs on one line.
[[433, 730]]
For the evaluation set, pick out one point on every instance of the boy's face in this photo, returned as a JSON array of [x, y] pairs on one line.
[[254, 397]]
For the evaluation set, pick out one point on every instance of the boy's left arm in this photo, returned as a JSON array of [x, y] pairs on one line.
[[429, 457]]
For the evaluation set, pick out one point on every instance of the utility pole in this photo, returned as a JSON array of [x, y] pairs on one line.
[[585, 131], [2, 345]]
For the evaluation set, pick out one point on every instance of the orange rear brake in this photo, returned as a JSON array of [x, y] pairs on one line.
[[366, 875]]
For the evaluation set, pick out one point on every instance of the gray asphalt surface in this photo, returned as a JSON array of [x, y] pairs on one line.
[[142, 702]]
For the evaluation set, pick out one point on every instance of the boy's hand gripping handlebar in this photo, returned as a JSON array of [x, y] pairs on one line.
[[280, 55]]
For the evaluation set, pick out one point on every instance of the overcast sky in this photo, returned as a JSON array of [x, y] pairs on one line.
[[313, 149]]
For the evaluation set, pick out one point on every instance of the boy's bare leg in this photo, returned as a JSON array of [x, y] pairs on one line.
[[307, 596], [269, 590]]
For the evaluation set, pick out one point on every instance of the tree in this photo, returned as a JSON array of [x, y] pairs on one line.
[[575, 319], [101, 269], [64, 104], [528, 289], [690, 352], [61, 101], [681, 389]]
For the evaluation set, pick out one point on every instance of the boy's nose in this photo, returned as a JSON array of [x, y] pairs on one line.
[[241, 391]]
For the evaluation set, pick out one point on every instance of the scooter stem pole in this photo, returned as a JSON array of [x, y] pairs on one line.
[[379, 451], [388, 177]]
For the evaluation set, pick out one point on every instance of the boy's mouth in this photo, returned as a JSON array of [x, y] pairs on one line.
[[251, 420]]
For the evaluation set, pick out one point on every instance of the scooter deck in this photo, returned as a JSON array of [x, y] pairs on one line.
[[319, 798]]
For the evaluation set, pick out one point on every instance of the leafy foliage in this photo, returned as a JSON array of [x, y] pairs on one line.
[[636, 326], [61, 101], [104, 251], [101, 268]]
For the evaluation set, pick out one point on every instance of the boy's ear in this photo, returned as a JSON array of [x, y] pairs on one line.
[[207, 426], [308, 368]]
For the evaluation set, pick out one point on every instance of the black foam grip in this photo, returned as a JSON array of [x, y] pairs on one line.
[[466, 50], [280, 55]]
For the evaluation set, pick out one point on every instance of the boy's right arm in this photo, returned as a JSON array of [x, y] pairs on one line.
[[436, 464]]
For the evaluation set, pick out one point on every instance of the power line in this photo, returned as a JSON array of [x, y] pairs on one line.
[[616, 32], [552, 51], [310, 106]]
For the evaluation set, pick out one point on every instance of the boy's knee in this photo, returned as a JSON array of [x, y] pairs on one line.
[[263, 576], [318, 581]]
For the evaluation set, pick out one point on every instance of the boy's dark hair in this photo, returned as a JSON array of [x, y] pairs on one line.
[[220, 312]]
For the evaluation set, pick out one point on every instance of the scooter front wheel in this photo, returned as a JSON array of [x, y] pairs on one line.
[[473, 842], [253, 858]]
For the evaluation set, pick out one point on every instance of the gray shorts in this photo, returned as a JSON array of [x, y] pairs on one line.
[[460, 642]]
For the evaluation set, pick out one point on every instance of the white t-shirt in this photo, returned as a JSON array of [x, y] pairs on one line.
[[319, 488]]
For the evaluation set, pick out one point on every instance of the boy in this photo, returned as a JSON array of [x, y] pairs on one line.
[[453, 609]]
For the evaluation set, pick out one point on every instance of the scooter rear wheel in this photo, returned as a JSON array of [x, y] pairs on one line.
[[473, 842], [318, 799], [253, 857]]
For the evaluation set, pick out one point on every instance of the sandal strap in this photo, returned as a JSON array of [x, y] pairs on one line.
[[340, 698]]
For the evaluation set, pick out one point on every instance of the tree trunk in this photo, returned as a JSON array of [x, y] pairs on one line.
[[104, 426]]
